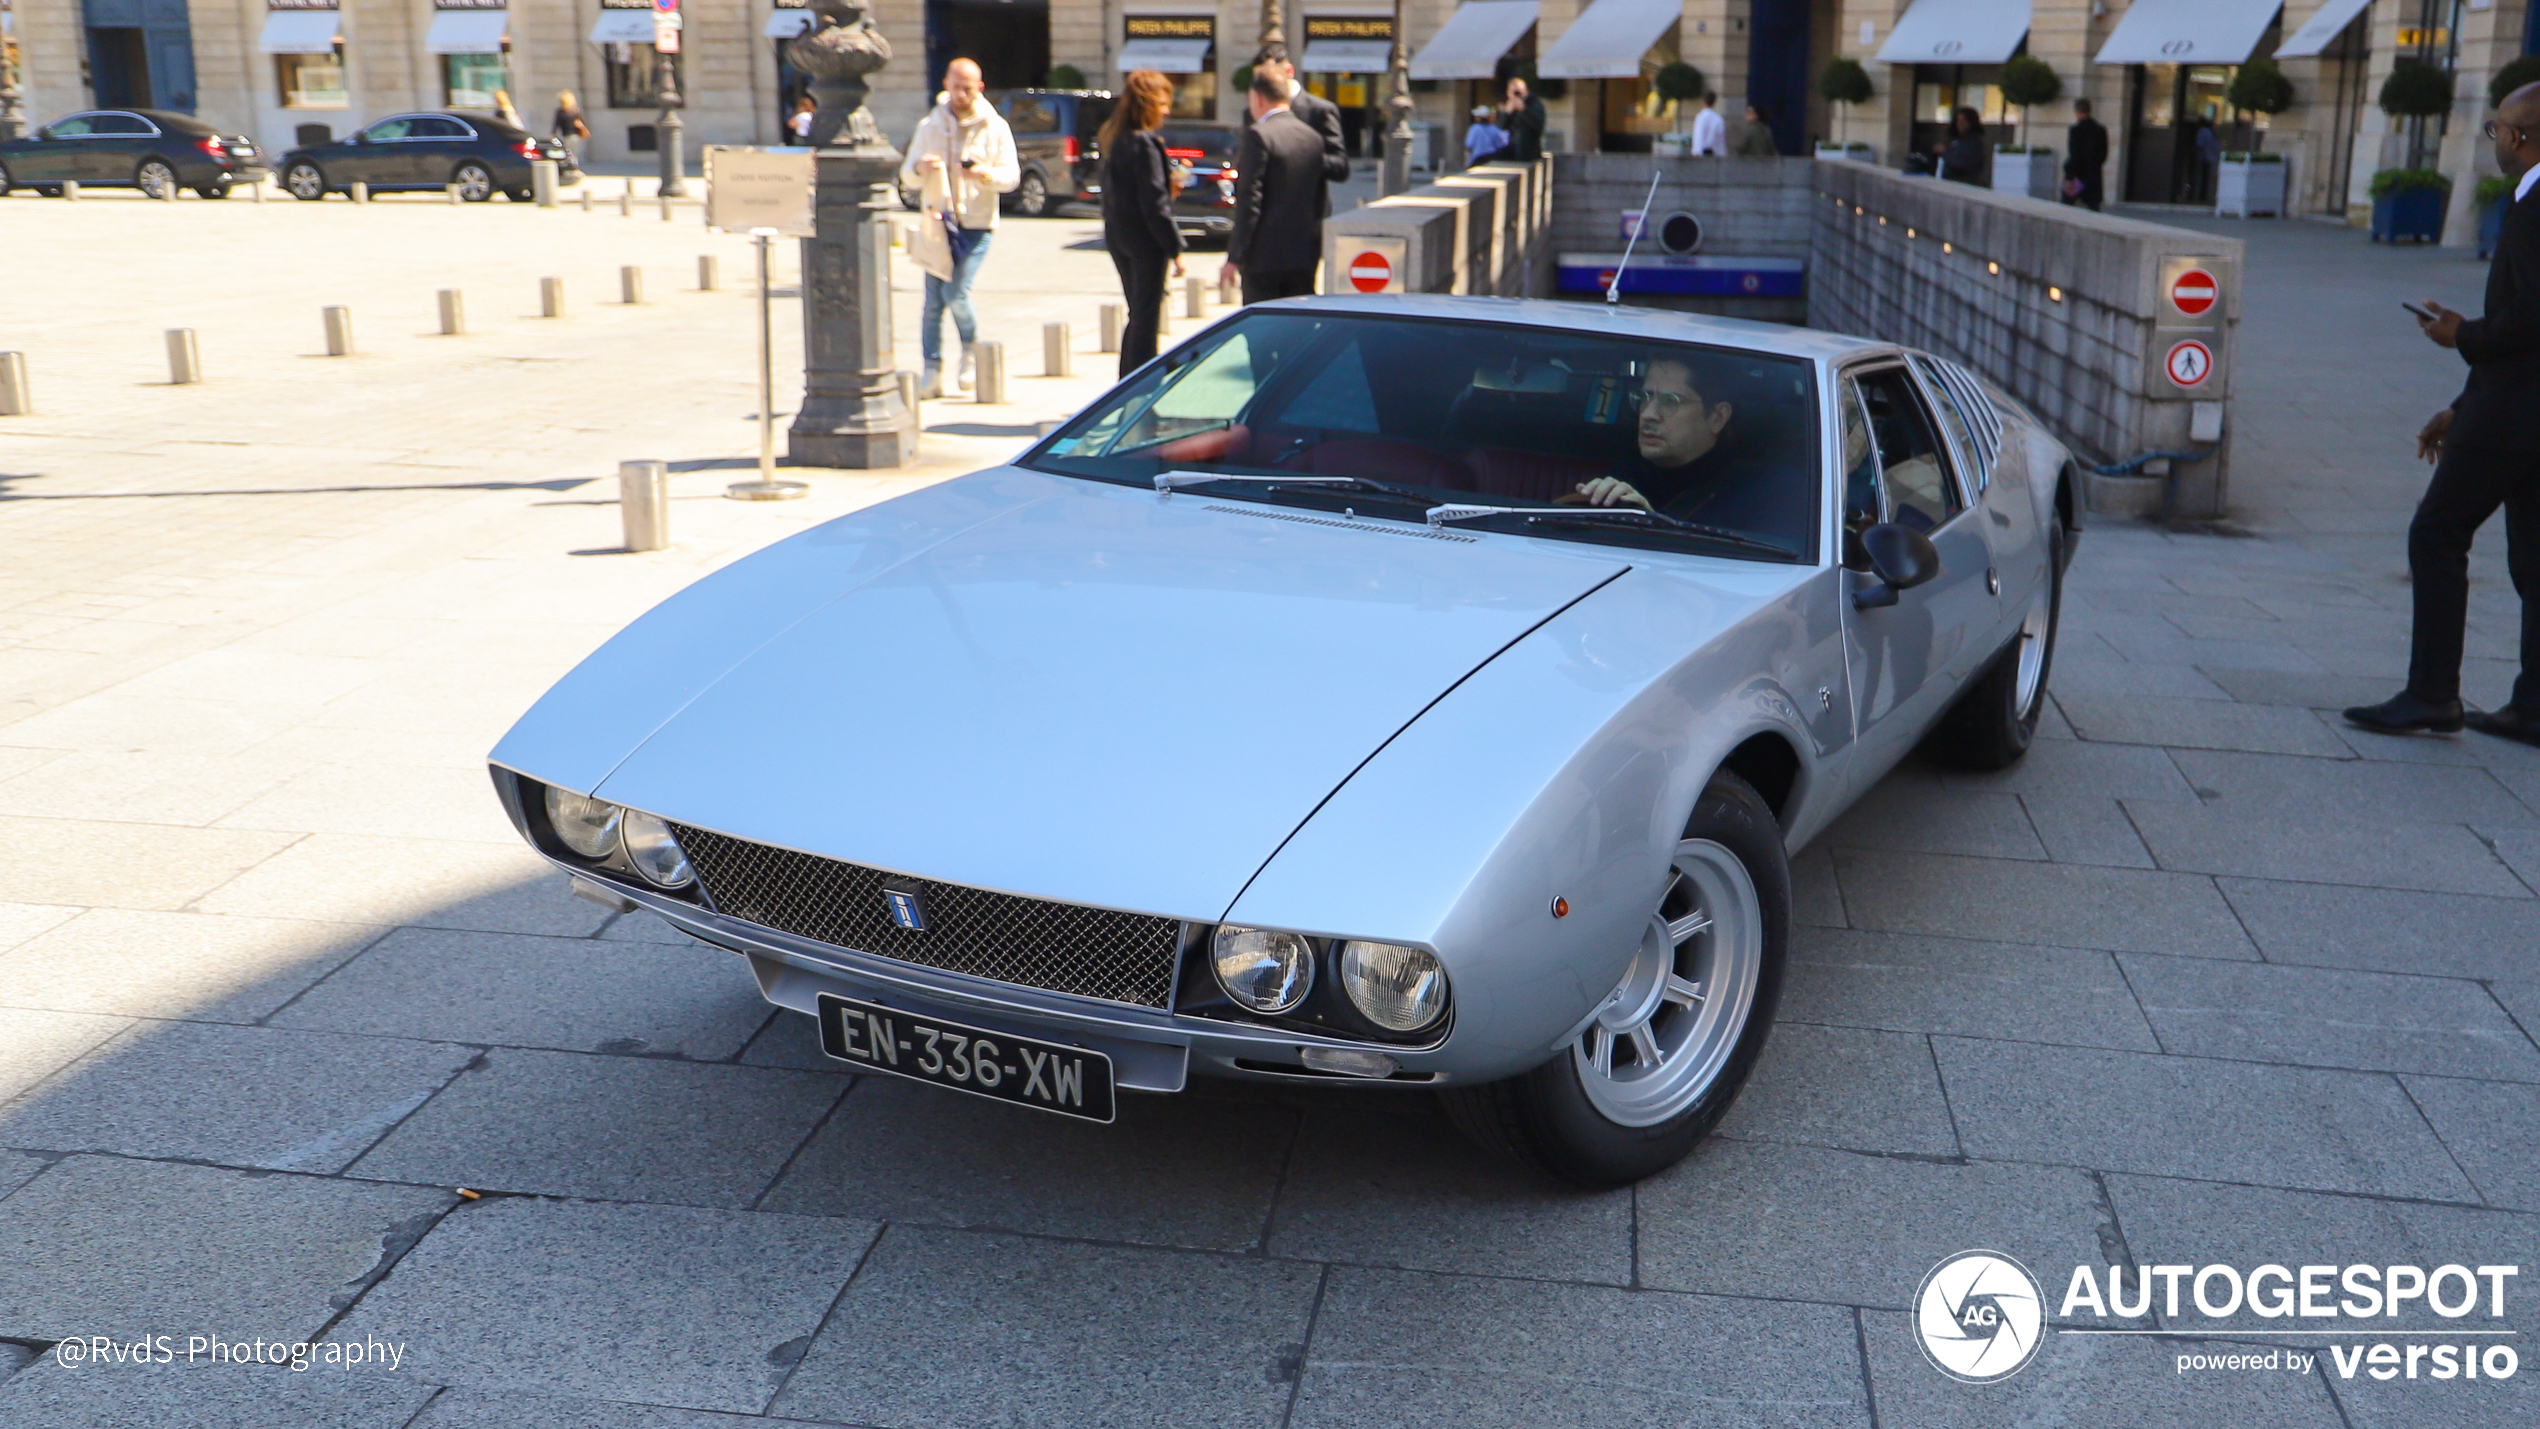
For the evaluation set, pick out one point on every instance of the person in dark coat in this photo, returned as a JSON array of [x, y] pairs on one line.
[[1963, 157], [1523, 117], [1322, 114], [1280, 197], [1137, 209], [2085, 158], [2486, 450]]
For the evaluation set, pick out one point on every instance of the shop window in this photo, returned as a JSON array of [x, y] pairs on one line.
[[634, 74], [310, 81], [471, 81]]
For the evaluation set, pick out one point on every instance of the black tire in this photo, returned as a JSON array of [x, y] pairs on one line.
[[1032, 196], [48, 190], [475, 181], [521, 195], [155, 177], [6, 183], [1547, 1117], [215, 191], [305, 181], [1992, 725]]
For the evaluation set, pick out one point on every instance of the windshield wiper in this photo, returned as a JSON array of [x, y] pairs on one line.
[[1168, 482], [1590, 515]]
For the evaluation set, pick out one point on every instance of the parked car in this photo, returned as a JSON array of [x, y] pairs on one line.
[[1289, 715], [1203, 158], [149, 149], [482, 155], [1054, 137]]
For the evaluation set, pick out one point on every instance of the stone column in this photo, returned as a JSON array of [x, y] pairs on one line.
[[851, 415]]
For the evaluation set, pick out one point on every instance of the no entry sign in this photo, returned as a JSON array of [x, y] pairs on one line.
[[2194, 292], [1370, 272], [2189, 363]]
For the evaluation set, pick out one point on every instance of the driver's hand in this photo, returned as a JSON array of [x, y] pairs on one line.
[[1612, 491]]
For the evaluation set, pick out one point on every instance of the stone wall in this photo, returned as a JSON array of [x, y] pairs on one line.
[[1749, 208]]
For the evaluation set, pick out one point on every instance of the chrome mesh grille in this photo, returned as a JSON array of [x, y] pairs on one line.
[[1061, 947]]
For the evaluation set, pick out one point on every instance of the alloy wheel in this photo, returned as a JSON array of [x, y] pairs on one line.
[[2036, 629], [155, 178], [1032, 198], [476, 184], [1664, 1034], [305, 181]]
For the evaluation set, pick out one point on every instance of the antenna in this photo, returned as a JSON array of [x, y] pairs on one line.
[[1614, 290]]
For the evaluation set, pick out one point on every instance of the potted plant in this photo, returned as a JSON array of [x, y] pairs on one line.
[[2416, 92], [1844, 84], [2408, 203], [2022, 168], [2254, 182], [1679, 84]]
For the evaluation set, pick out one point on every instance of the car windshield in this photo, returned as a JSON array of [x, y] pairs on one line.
[[1397, 416]]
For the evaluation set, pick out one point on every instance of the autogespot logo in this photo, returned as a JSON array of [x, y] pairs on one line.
[[1980, 1316]]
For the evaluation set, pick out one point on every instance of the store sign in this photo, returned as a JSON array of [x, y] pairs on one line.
[[1348, 27], [271, 4], [749, 188], [465, 4], [1172, 27]]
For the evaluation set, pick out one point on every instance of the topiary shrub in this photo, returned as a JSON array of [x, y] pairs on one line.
[[2028, 80], [2416, 91], [1066, 77], [2517, 73], [1679, 84], [1844, 81], [2261, 88]]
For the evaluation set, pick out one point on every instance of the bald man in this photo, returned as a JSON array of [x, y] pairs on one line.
[[2486, 450], [960, 162]]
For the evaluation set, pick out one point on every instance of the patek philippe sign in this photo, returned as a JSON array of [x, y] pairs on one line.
[[275, 4], [1348, 27], [1172, 27], [470, 4]]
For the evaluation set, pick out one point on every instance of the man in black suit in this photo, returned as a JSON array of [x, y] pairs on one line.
[[1280, 196], [1314, 109], [2086, 157], [2486, 447]]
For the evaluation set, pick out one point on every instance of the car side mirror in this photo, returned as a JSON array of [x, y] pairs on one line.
[[1902, 557], [44, 133]]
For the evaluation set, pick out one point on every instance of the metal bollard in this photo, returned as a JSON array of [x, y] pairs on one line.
[[989, 380], [339, 332], [1194, 298], [453, 313], [551, 297], [1111, 327], [70, 190], [630, 284], [1055, 351], [643, 499], [14, 398], [1225, 285], [360, 191], [908, 397], [185, 360], [452, 191], [709, 273], [542, 182]]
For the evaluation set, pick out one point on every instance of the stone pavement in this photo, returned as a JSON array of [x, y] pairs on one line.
[[2207, 979]]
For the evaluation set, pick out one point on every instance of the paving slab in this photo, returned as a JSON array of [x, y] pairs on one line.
[[2519, 848], [2076, 1377], [521, 1294], [2425, 858], [34, 1045], [2006, 901], [2489, 1127], [204, 1395], [1397, 1187], [143, 1246], [1912, 813], [243, 1096], [1816, 899], [2185, 1116], [2308, 691], [477, 1409], [1397, 1348], [2388, 930], [1905, 983], [2330, 1017], [2199, 724], [2080, 769], [789, 1039], [609, 1128], [481, 887], [199, 966], [14, 1358], [514, 990], [95, 864], [2520, 996], [21, 921], [2086, 831], [17, 1168], [946, 1328], [2287, 787], [1849, 1087]]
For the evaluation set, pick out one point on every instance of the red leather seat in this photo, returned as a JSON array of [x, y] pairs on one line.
[[1529, 476], [1230, 443], [1381, 459]]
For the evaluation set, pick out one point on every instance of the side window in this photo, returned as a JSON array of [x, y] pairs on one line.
[[1946, 400], [1861, 508], [1913, 467], [387, 129], [441, 129], [122, 124], [78, 126]]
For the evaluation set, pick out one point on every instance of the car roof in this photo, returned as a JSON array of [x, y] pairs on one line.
[[1662, 324], [164, 119]]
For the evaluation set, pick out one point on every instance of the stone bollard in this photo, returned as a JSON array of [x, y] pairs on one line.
[[256, 192], [339, 332], [709, 273], [989, 380], [360, 191], [15, 401], [643, 499], [1056, 349], [586, 195], [626, 201], [453, 313], [551, 297], [1164, 316], [1194, 298], [542, 182], [185, 360], [1111, 327], [665, 209], [452, 192], [70, 190], [908, 394], [630, 285], [1225, 285]]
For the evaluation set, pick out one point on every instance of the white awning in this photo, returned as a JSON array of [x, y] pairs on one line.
[[1346, 57], [300, 32], [2209, 32], [623, 27], [1165, 56], [786, 24], [467, 32], [1470, 43], [2322, 29], [1608, 39], [1968, 32]]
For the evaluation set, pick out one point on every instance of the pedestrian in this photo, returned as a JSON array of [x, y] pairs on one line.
[[503, 109], [1137, 208], [2486, 451], [1280, 197], [798, 123], [2208, 160], [961, 158], [1484, 138], [1522, 115], [568, 126], [2085, 158], [1755, 141], [1322, 114], [1710, 131], [1962, 158]]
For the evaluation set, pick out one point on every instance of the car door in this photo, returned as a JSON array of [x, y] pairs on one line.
[[117, 142], [1906, 660], [2006, 509], [56, 158], [436, 145], [380, 155]]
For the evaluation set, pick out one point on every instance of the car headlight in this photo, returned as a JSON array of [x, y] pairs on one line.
[[1401, 989], [654, 853], [1262, 970], [587, 826]]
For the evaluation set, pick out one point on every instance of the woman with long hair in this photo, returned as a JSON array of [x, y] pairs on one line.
[[1963, 158], [1137, 208]]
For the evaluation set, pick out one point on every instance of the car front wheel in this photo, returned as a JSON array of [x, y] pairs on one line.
[[213, 190], [156, 178], [1995, 721], [1657, 1066], [304, 181], [1032, 196], [475, 182]]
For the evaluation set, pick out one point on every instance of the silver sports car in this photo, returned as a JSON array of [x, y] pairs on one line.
[[1371, 692]]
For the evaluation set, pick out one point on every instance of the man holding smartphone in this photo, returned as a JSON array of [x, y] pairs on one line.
[[961, 160], [2486, 450]]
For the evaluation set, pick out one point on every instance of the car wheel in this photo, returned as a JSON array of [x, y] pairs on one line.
[[5, 182], [305, 181], [475, 181], [48, 190], [521, 195], [1032, 196], [213, 190], [1994, 722], [1659, 1063], [155, 178]]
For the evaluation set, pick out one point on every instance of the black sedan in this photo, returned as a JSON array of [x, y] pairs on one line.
[[148, 149], [481, 155], [1203, 158]]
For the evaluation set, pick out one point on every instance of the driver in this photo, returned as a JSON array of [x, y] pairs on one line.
[[1677, 470]]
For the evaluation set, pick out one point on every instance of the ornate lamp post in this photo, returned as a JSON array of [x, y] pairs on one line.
[[1271, 33], [1398, 139], [672, 131], [12, 116]]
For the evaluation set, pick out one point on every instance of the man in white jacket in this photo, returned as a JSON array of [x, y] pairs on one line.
[[960, 160]]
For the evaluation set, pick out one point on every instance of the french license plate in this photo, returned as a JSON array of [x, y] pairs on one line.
[[1045, 1076]]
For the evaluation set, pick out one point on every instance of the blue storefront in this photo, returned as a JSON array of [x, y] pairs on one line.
[[140, 54]]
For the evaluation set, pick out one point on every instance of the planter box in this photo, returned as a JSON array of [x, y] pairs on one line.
[[2250, 189], [2030, 175], [2491, 226], [1858, 153], [2409, 213]]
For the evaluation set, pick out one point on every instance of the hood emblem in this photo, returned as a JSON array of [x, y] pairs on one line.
[[906, 911]]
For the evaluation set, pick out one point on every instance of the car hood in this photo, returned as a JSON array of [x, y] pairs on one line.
[[1090, 693]]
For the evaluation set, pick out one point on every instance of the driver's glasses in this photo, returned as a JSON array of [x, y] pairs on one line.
[[2494, 126], [1667, 403]]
